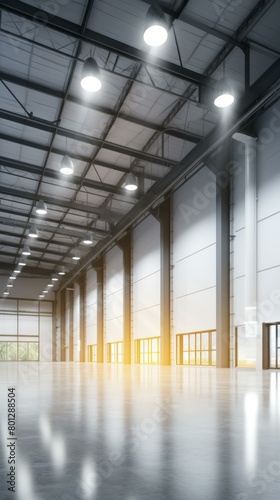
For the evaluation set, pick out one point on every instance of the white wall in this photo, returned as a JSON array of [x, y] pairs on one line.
[[146, 279], [67, 324], [268, 215], [194, 255], [113, 300], [91, 308], [46, 331]]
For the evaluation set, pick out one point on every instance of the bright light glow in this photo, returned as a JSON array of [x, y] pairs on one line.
[[9, 285], [76, 257], [45, 291], [155, 35], [50, 284], [6, 292], [17, 271], [131, 187], [91, 83], [22, 263], [61, 271], [41, 296], [13, 278], [66, 166], [251, 404], [54, 277], [224, 100]]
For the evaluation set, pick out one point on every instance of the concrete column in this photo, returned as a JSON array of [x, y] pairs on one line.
[[162, 214], [71, 324], [62, 325], [98, 266], [82, 285], [125, 245]]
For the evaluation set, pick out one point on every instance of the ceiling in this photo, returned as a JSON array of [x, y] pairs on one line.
[[153, 116]]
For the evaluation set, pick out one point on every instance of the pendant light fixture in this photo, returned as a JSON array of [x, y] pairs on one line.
[[61, 271], [41, 208], [50, 285], [224, 94], [55, 277], [9, 285], [76, 255], [90, 80], [33, 233], [66, 165], [13, 277], [41, 296], [87, 240], [156, 28], [26, 250], [17, 271], [6, 292], [22, 262], [130, 183]]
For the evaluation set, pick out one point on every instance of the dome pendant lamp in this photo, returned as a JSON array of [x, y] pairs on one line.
[[90, 80], [224, 95], [156, 27], [66, 165], [131, 182], [41, 208]]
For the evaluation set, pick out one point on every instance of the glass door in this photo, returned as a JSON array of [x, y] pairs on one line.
[[274, 346]]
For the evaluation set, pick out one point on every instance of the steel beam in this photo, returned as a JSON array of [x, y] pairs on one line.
[[80, 137], [71, 29], [102, 213], [22, 82], [266, 88]]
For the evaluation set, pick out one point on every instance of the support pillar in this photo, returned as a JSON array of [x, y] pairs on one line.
[[162, 214], [98, 266], [125, 245], [220, 165], [62, 325], [82, 285], [71, 324]]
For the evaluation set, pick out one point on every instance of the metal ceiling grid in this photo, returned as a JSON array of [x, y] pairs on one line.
[[136, 121]]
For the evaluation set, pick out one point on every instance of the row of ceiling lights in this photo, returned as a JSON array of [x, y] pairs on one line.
[[41, 209], [155, 35]]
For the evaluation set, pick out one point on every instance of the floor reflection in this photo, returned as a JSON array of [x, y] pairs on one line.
[[118, 432]]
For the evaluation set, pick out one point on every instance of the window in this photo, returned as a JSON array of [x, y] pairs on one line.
[[147, 351], [19, 351], [196, 349], [115, 352], [92, 353]]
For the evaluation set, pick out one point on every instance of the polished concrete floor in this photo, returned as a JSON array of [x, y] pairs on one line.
[[102, 432]]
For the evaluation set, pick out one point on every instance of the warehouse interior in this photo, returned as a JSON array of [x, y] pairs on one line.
[[139, 263]]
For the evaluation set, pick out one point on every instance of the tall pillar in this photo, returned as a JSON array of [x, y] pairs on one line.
[[98, 266], [53, 333], [71, 324], [220, 166], [125, 245], [62, 325], [162, 214], [82, 286]]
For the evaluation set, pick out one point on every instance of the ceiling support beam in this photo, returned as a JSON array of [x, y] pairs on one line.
[[102, 213], [264, 90], [80, 137], [52, 174], [68, 28]]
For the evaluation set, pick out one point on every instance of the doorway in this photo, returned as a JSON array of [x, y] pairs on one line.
[[274, 345]]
